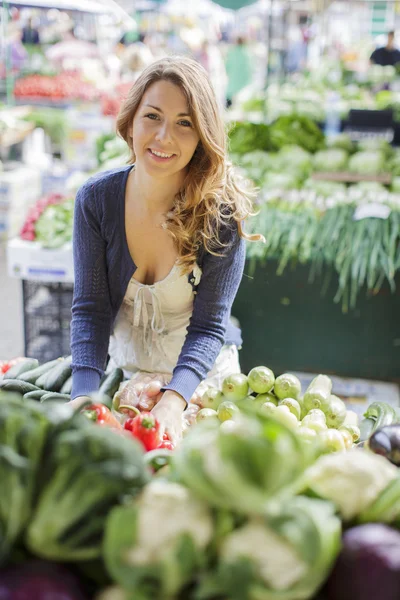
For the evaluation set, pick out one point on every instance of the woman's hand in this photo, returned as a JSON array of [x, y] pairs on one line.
[[168, 412], [79, 401]]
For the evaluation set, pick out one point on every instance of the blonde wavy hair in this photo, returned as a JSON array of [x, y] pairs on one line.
[[212, 194]]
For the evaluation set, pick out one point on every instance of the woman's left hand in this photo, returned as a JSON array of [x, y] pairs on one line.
[[168, 412]]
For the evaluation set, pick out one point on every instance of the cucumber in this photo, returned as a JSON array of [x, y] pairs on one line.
[[55, 397], [111, 383], [67, 387], [33, 374], [16, 385], [35, 395], [25, 365], [318, 393], [54, 379]]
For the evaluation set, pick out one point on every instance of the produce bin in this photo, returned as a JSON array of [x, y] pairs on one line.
[[288, 324], [47, 317]]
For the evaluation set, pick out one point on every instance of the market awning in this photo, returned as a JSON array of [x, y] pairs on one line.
[[89, 6], [234, 4]]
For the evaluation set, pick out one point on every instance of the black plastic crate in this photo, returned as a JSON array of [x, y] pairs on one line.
[[47, 319]]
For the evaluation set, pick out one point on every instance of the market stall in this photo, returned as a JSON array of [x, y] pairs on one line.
[[286, 483], [95, 505]]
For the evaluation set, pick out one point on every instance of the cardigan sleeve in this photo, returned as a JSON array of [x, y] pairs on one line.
[[91, 307], [211, 311]]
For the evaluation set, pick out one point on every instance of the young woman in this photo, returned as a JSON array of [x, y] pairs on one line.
[[159, 247]]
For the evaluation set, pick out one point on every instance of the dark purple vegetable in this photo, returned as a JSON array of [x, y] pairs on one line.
[[39, 580], [368, 567], [386, 441]]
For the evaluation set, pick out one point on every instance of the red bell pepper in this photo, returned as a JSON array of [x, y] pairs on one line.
[[101, 415], [145, 428]]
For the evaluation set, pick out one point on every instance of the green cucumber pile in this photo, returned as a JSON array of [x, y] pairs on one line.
[[52, 381]]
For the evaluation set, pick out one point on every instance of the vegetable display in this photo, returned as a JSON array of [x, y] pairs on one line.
[[251, 505], [49, 221], [326, 234]]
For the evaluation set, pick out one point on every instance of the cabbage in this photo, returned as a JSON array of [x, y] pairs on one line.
[[89, 470], [352, 480], [395, 187], [295, 160], [369, 186], [342, 141], [284, 555], [241, 468], [375, 145], [325, 188], [331, 160], [156, 544], [280, 181], [367, 163]]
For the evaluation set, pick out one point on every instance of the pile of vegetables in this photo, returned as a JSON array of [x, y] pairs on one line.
[[287, 130], [258, 501], [61, 87], [60, 476], [307, 94], [49, 221], [319, 415], [308, 228]]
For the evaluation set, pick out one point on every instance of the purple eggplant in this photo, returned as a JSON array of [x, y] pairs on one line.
[[386, 441], [39, 580], [368, 567]]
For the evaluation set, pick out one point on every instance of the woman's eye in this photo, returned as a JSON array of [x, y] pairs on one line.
[[152, 116], [185, 123]]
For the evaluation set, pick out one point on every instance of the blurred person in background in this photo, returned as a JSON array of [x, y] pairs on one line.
[[386, 55], [135, 57], [15, 50], [238, 69], [70, 47], [30, 34]]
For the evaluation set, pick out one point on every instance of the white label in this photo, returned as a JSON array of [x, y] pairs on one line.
[[371, 209]]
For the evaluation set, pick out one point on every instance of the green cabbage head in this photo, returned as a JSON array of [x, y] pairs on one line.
[[241, 469]]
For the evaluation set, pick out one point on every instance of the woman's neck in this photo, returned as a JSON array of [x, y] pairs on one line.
[[156, 195]]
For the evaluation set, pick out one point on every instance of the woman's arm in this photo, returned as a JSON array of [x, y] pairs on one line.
[[212, 308], [91, 308]]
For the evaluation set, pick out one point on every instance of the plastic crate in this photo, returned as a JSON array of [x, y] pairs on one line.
[[47, 319]]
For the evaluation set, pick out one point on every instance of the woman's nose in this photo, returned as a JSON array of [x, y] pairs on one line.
[[164, 133]]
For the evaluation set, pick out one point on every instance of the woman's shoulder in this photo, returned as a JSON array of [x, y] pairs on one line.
[[104, 184]]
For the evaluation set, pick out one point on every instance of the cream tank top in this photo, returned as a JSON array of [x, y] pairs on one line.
[[151, 326]]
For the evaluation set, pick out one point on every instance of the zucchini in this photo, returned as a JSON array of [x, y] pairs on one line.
[[54, 379], [16, 385], [55, 397], [35, 395], [318, 393], [67, 387], [24, 365], [377, 415], [33, 374], [111, 383]]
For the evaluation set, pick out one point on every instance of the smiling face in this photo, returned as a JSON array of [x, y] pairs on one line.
[[163, 134]]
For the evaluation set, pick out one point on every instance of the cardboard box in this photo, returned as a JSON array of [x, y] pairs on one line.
[[84, 127], [30, 261]]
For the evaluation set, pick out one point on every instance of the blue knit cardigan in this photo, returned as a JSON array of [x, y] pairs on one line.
[[103, 268]]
